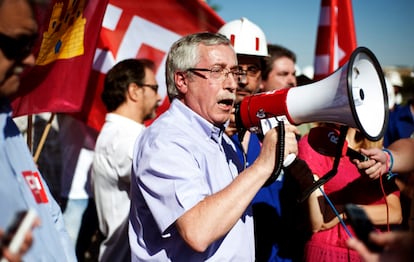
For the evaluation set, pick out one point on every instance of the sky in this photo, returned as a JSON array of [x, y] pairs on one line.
[[385, 27]]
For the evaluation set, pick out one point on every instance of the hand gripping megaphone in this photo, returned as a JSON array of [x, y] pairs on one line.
[[355, 95]]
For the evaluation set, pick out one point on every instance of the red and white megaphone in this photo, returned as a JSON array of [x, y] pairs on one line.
[[355, 95]]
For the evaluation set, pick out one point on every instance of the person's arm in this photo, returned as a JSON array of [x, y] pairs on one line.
[[231, 129], [398, 246], [322, 217], [315, 215], [215, 215], [402, 152], [378, 214]]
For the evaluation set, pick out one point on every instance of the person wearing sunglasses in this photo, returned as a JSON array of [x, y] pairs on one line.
[[22, 187], [16, 43], [130, 97]]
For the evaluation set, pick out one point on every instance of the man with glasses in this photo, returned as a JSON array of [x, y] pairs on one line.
[[22, 188], [130, 96], [190, 200]]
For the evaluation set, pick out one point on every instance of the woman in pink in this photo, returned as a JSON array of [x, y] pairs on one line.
[[328, 242]]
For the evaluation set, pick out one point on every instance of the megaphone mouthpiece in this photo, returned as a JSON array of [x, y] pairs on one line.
[[261, 106]]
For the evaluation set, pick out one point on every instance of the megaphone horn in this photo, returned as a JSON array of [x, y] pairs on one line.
[[355, 95]]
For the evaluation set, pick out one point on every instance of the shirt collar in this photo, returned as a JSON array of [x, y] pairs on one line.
[[200, 124], [5, 105], [112, 117]]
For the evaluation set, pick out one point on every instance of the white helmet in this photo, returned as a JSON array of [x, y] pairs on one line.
[[395, 78], [246, 37], [390, 93]]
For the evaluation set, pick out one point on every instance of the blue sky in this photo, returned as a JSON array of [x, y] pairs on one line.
[[386, 27]]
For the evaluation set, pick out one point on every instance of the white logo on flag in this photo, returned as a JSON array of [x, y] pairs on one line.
[[139, 32]]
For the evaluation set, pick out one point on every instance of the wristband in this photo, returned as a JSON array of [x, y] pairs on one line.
[[391, 158]]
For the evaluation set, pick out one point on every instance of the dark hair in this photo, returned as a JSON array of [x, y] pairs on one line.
[[41, 4], [32, 3], [118, 79], [275, 52]]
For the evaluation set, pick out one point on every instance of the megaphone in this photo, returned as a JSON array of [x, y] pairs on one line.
[[354, 95]]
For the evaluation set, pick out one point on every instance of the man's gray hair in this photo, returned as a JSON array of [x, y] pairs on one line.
[[184, 54]]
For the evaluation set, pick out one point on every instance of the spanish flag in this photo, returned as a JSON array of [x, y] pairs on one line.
[[65, 50], [336, 38]]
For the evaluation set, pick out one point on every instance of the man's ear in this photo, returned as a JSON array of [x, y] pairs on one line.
[[261, 86], [134, 92], [181, 82]]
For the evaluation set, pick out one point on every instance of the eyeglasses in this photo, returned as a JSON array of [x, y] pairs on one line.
[[19, 48], [153, 87], [251, 70], [218, 72]]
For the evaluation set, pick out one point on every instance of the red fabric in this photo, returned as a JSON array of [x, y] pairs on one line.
[[336, 37], [143, 29], [131, 28], [347, 186], [65, 50]]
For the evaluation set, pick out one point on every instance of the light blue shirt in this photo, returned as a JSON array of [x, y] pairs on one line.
[[50, 240], [178, 161]]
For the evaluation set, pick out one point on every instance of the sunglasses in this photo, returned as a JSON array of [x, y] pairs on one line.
[[18, 48], [153, 87]]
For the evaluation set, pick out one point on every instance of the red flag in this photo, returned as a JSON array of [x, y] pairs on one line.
[[336, 38], [70, 30], [142, 29]]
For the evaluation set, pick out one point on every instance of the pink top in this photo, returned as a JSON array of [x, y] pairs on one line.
[[347, 186]]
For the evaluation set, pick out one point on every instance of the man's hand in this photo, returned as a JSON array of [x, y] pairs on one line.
[[231, 129], [10, 255], [376, 165], [398, 246], [267, 157]]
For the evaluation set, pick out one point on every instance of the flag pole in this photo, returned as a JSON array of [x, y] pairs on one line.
[[29, 140], [43, 138]]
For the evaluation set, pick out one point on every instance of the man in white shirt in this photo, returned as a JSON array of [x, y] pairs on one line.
[[130, 96]]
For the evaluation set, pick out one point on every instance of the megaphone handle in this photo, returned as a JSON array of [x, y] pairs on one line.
[[306, 193], [280, 150], [289, 160]]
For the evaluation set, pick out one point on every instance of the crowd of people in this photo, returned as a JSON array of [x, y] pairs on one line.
[[193, 185]]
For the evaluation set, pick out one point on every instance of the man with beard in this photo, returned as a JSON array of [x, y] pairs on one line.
[[130, 96], [190, 198]]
